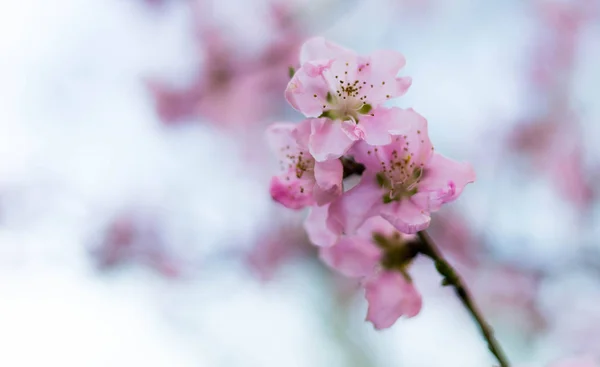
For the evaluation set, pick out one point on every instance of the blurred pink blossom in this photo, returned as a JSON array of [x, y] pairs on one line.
[[232, 89], [283, 240], [136, 237]]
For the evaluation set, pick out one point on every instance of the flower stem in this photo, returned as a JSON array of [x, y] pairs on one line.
[[451, 278]]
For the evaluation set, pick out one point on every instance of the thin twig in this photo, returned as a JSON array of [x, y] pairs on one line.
[[452, 278]]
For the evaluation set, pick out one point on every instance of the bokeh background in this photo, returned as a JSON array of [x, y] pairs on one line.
[[136, 228]]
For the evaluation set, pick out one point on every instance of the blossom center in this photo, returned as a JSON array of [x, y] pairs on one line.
[[399, 177], [299, 163], [347, 98]]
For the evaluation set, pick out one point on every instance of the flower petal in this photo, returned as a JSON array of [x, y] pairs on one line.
[[391, 296], [406, 216], [328, 139], [386, 63], [410, 138], [380, 69], [307, 90], [316, 227], [318, 48], [382, 123], [354, 207], [301, 135], [445, 180], [280, 139], [293, 193], [328, 177], [353, 256]]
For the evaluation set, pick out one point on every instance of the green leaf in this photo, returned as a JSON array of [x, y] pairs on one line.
[[291, 71]]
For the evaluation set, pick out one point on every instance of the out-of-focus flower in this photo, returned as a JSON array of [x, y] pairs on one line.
[[281, 242], [456, 238], [404, 181], [136, 237], [228, 77], [555, 124], [507, 291], [304, 181], [554, 55], [539, 140]]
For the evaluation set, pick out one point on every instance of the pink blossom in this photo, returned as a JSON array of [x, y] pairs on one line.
[[390, 296], [355, 255], [344, 82], [404, 181], [304, 181], [348, 89]]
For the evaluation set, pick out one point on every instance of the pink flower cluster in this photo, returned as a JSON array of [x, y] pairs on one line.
[[363, 231]]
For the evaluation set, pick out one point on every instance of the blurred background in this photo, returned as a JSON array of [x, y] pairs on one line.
[[136, 227]]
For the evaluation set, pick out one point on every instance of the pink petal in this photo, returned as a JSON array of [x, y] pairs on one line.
[[445, 180], [411, 137], [391, 296], [365, 154], [316, 227], [387, 62], [294, 194], [318, 48], [354, 256], [382, 123], [375, 225], [280, 138], [328, 176], [380, 70], [405, 216], [328, 139], [301, 134], [394, 87], [349, 212], [307, 91]]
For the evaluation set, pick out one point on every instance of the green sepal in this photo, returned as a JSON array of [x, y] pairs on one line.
[[366, 108], [329, 114]]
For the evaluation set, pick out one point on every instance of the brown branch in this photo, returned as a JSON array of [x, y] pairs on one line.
[[451, 278]]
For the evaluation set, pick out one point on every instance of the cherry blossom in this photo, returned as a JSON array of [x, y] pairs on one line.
[[380, 265], [348, 89], [304, 181], [341, 84], [404, 181]]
